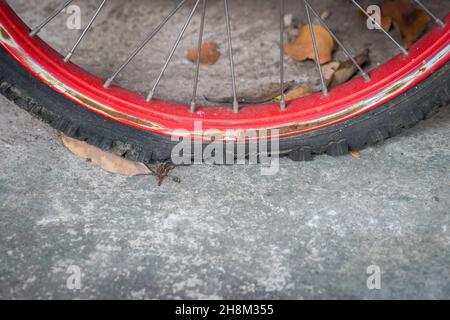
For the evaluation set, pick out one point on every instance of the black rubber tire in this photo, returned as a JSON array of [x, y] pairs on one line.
[[388, 120]]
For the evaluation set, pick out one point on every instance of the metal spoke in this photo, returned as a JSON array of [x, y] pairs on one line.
[[230, 48], [404, 51], [282, 99], [85, 31], [324, 24], [316, 51], [52, 16], [436, 19], [197, 67], [236, 107], [143, 44], [177, 42]]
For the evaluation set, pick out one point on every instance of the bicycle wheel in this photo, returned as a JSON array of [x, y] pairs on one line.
[[368, 109]]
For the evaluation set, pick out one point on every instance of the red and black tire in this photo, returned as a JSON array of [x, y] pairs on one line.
[[403, 91]]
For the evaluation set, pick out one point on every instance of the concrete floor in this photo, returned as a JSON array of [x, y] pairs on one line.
[[311, 231]]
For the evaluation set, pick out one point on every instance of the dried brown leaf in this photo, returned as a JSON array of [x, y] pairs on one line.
[[339, 72], [329, 70], [298, 93], [406, 18], [103, 159], [386, 23], [355, 154], [302, 48], [209, 53], [347, 69]]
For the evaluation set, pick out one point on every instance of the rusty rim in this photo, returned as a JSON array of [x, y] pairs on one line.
[[167, 118]]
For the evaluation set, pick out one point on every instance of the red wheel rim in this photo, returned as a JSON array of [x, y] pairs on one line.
[[167, 118]]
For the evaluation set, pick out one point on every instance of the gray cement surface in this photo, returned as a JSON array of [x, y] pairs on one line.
[[311, 231]]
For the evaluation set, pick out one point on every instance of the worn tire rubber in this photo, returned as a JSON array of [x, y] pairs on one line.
[[385, 121]]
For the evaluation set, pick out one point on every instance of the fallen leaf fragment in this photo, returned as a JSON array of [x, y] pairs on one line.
[[386, 23], [329, 70], [347, 69], [103, 159], [260, 94], [339, 72], [410, 21], [325, 15], [355, 154], [162, 171], [360, 13], [298, 93], [302, 47], [209, 54]]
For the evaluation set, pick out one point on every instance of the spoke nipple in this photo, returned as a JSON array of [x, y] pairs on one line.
[[440, 23], [193, 107], [366, 77], [34, 32], [68, 57], [107, 83], [236, 106], [150, 96], [283, 104]]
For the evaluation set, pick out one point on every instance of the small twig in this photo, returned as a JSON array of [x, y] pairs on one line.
[[162, 171]]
